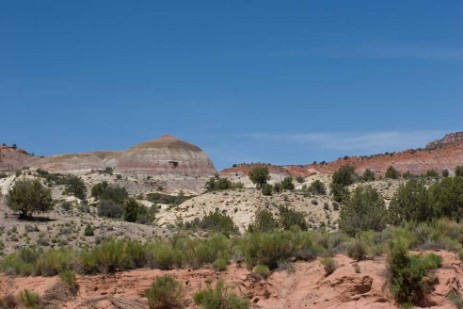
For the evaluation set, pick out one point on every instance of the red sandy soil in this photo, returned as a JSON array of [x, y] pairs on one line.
[[304, 287]]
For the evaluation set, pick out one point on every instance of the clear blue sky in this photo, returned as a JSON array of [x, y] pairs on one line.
[[271, 81]]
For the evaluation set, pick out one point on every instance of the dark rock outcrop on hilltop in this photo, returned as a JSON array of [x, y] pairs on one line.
[[165, 156], [446, 153], [448, 140]]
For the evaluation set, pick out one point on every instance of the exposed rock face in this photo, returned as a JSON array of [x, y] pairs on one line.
[[448, 140], [446, 153], [12, 159], [166, 156], [178, 165], [79, 163]]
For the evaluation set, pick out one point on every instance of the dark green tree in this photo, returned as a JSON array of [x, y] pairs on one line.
[[259, 176], [410, 202], [287, 183], [267, 189], [74, 185], [392, 173], [264, 222], [364, 210], [447, 198], [29, 196], [459, 171], [368, 175], [317, 187], [344, 176], [131, 210]]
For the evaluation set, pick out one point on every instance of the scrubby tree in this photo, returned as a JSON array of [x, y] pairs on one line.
[[131, 210], [445, 173], [447, 198], [264, 222], [105, 191], [411, 202], [317, 187], [340, 193], [459, 171], [29, 196], [290, 217], [368, 175], [75, 186], [259, 176], [392, 173], [287, 183], [364, 210], [344, 176], [267, 189]]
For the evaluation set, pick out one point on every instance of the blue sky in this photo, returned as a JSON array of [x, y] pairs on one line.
[[271, 81]]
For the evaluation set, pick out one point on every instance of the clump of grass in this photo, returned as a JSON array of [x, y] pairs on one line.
[[357, 269], [69, 278], [262, 270], [329, 265], [165, 292], [220, 264], [29, 299], [456, 299], [219, 297], [356, 250]]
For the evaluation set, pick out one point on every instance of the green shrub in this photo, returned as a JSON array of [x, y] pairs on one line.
[[368, 175], [89, 231], [456, 299], [29, 196], [69, 278], [290, 218], [165, 292], [218, 184], [410, 202], [459, 171], [109, 209], [54, 261], [392, 173], [300, 179], [329, 265], [264, 221], [29, 299], [108, 257], [340, 193], [267, 189], [287, 183], [74, 185], [259, 176], [262, 270], [105, 191], [344, 176], [365, 210], [162, 256], [410, 277], [218, 222], [356, 250], [220, 264], [270, 248], [317, 187], [447, 198], [445, 173], [131, 210], [219, 297]]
